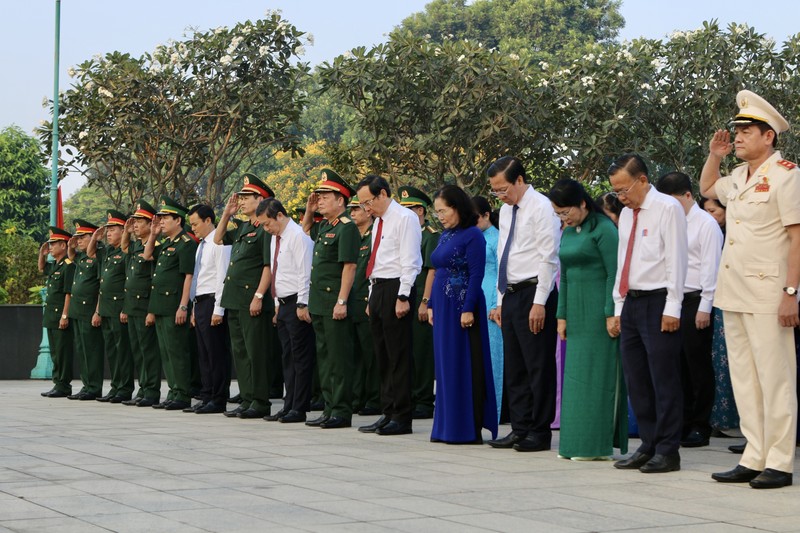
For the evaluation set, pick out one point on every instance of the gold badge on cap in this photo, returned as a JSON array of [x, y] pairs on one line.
[[744, 102], [323, 176], [163, 202], [246, 180], [109, 216], [404, 194], [138, 206]]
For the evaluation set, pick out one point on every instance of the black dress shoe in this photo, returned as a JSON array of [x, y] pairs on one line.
[[695, 439], [375, 426], [87, 396], [119, 399], [235, 399], [395, 428], [334, 422], [107, 397], [76, 396], [740, 474], [252, 413], [369, 411], [508, 441], [234, 412], [317, 421], [276, 416], [132, 401], [532, 443], [638, 459], [421, 414], [48, 393], [177, 405], [58, 394], [193, 408], [160, 405], [737, 448], [771, 479], [661, 463], [209, 408], [293, 417], [144, 402]]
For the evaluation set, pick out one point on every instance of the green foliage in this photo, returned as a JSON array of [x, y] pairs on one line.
[[18, 265], [90, 204], [24, 192]]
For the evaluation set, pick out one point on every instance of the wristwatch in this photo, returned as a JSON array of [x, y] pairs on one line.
[[63, 317], [183, 308], [425, 300], [301, 306], [259, 295], [402, 297], [791, 291], [341, 302]]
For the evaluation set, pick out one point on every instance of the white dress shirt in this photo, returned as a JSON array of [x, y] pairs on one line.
[[293, 275], [660, 250], [705, 249], [212, 270], [534, 247], [400, 251]]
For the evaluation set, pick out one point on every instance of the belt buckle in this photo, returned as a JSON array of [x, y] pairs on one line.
[[510, 288]]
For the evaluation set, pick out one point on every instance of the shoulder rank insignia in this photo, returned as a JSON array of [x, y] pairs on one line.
[[232, 224], [432, 229], [335, 221], [256, 224], [788, 165], [67, 261], [344, 219], [185, 238]]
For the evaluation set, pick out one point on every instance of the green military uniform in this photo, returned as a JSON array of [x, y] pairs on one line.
[[113, 262], [251, 336], [367, 383], [337, 243], [59, 284], [88, 339], [422, 393]]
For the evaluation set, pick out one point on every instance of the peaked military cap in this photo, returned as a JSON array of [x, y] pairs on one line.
[[253, 185], [171, 207], [753, 110], [144, 210], [412, 197], [115, 218], [330, 181], [58, 234], [83, 228]]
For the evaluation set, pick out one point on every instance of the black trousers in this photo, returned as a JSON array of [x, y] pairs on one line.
[[392, 339], [213, 350], [298, 352], [651, 363], [697, 370], [529, 370]]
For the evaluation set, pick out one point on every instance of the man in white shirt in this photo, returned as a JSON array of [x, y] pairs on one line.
[[394, 263], [648, 295], [526, 305], [208, 317], [705, 248], [291, 251]]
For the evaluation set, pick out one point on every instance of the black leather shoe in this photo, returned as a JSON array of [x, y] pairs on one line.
[[132, 401], [76, 396], [661, 463], [334, 422], [317, 421], [48, 393], [193, 408], [633, 462], [508, 441], [209, 408], [234, 412], [58, 394], [372, 428], [420, 414], [532, 443], [107, 397], [119, 399], [87, 396], [394, 428], [235, 399], [177, 405], [369, 411], [293, 417], [146, 402], [737, 448], [740, 474], [160, 405], [252, 413], [695, 439], [276, 416], [771, 479]]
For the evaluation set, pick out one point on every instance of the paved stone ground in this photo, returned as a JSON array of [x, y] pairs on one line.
[[85, 467]]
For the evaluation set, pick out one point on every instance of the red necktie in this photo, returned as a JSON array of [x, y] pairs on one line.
[[371, 262], [275, 264], [626, 267]]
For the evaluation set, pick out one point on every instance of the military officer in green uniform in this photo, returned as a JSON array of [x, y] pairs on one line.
[[169, 299], [249, 312], [59, 331], [311, 220], [138, 280], [333, 269], [366, 380], [85, 289], [422, 392], [113, 263]]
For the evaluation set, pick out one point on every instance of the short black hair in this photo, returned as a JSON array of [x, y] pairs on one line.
[[570, 193], [510, 167], [375, 184], [455, 197], [674, 184], [271, 207], [703, 201], [633, 164], [203, 211], [764, 127]]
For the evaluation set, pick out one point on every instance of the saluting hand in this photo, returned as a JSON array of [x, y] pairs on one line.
[[232, 207], [720, 144]]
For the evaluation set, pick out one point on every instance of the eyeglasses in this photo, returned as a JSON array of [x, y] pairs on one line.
[[442, 212], [500, 193], [624, 192], [564, 214], [368, 203]]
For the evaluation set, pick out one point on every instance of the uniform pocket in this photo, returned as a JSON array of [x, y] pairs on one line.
[[761, 270]]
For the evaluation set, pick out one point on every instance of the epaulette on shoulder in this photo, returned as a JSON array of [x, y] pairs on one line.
[[68, 261], [232, 224], [157, 243], [185, 238], [256, 224], [788, 165], [345, 219], [432, 229]]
